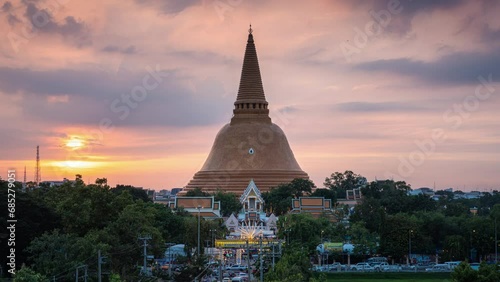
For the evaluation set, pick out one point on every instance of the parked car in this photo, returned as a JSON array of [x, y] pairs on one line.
[[237, 267], [378, 266], [392, 268], [406, 267], [317, 268], [424, 266], [362, 266], [336, 266], [439, 268], [475, 265], [239, 279]]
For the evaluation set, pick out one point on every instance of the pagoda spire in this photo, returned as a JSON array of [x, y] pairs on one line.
[[251, 100]]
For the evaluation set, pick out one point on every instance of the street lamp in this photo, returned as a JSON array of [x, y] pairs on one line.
[[288, 236], [410, 232], [321, 253], [496, 242], [198, 208], [471, 248]]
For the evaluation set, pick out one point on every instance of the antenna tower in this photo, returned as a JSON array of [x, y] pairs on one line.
[[24, 180], [38, 174]]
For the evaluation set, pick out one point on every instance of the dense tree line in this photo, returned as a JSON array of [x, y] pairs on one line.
[[60, 228], [387, 218]]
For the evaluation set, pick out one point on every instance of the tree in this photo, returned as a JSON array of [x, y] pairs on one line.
[[228, 201], [341, 182], [301, 229], [454, 248], [394, 235], [365, 241], [26, 274], [35, 217], [196, 192], [294, 266], [371, 212], [138, 219], [455, 209], [191, 271], [58, 253], [464, 273], [102, 182], [83, 208], [137, 193], [279, 199], [300, 187], [326, 193], [488, 273]]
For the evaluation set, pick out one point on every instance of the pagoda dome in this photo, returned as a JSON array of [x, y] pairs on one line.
[[250, 146]]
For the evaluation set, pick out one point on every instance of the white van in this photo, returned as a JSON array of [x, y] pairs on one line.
[[452, 264]]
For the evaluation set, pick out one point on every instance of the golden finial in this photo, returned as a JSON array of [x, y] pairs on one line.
[[250, 29]]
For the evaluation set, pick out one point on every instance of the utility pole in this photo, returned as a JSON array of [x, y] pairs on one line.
[[220, 270], [85, 273], [99, 265], [273, 255], [100, 261], [410, 232], [248, 261], [145, 244], [496, 242], [261, 262], [169, 250], [198, 208]]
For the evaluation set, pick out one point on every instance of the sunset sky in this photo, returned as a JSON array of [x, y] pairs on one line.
[[405, 89]]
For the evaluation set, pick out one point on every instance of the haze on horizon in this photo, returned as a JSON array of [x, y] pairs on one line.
[[388, 89]]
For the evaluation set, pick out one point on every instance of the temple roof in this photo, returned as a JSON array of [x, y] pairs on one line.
[[251, 190]]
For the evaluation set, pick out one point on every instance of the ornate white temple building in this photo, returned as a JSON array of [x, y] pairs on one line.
[[252, 222]]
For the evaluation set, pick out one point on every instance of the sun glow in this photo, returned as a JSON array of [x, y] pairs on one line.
[[75, 143], [76, 164]]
